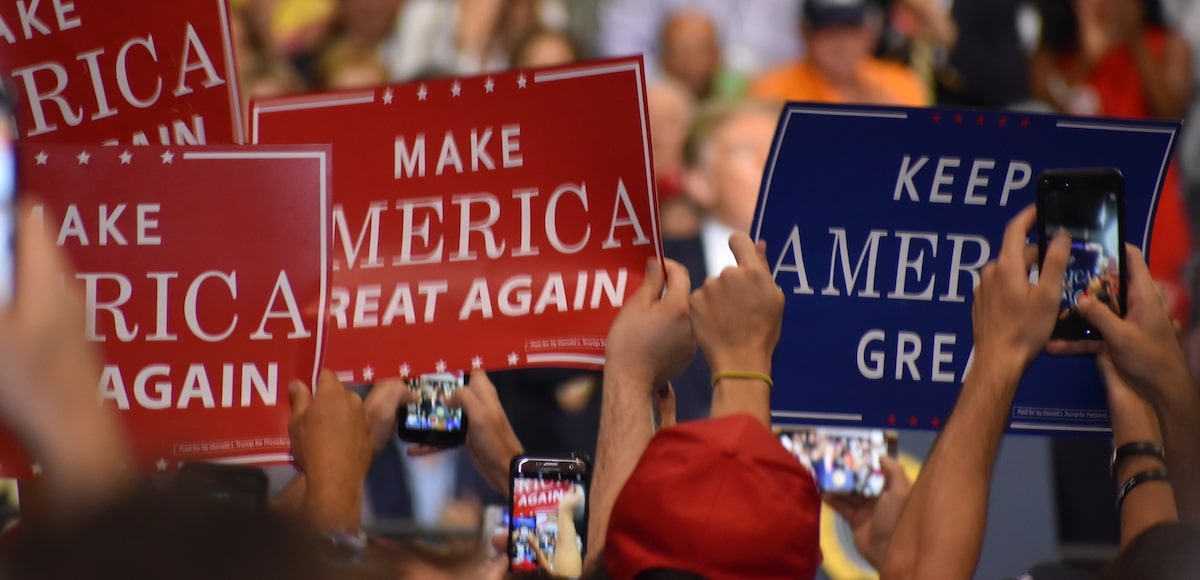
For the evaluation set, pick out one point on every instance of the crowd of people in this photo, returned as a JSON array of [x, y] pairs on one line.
[[689, 481]]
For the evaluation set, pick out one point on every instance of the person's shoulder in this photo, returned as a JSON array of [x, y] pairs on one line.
[[776, 83], [905, 81]]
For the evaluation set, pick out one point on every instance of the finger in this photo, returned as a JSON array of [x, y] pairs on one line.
[[1050, 277], [893, 473], [844, 505], [500, 542], [1141, 283], [745, 251], [680, 285], [761, 246], [1100, 316], [1074, 347], [389, 395], [652, 285], [664, 405], [301, 396], [328, 381], [1012, 250]]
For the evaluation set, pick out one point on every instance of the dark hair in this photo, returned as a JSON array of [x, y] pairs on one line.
[[155, 535], [536, 34], [1060, 24]]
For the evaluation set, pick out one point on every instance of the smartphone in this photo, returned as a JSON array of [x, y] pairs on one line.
[[1089, 204], [548, 509], [8, 201], [842, 461], [235, 485], [431, 421], [495, 522]]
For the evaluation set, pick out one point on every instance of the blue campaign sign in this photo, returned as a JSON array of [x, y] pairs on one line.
[[877, 221]]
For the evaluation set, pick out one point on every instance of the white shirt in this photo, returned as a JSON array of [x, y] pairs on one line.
[[714, 235]]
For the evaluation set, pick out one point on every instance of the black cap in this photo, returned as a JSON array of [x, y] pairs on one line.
[[832, 13]]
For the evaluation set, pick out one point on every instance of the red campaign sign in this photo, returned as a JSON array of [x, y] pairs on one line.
[[133, 72], [488, 222], [203, 272]]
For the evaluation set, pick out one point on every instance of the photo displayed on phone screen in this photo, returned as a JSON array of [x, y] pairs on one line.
[[432, 413], [1086, 205], [547, 525], [842, 461], [431, 420]]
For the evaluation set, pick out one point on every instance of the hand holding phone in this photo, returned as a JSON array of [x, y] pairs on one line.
[[842, 461], [548, 515], [1089, 205]]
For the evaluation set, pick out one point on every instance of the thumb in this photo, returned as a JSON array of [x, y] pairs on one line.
[[652, 286], [301, 396], [894, 473], [1100, 315]]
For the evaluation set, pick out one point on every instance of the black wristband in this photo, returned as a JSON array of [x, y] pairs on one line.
[[1138, 479], [1131, 449]]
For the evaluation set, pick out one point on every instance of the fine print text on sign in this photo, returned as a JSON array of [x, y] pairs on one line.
[[134, 72], [487, 222], [877, 223], [203, 273]]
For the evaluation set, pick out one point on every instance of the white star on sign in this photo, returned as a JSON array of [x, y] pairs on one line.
[[84, 157], [441, 366], [405, 370], [368, 373], [387, 97], [521, 81], [490, 85], [513, 359], [37, 468], [456, 88], [422, 93], [126, 157], [41, 158], [168, 158], [161, 464], [477, 362]]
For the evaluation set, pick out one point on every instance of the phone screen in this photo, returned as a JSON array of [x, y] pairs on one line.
[[548, 523], [432, 414], [1087, 206], [842, 461]]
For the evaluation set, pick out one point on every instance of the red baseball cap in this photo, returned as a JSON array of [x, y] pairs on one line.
[[719, 498]]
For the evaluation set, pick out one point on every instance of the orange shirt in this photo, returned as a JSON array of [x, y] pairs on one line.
[[893, 83]]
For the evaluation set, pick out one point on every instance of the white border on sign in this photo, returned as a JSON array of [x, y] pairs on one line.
[[253, 459], [564, 357], [311, 102], [787, 118], [323, 160], [1075, 428], [231, 73], [1162, 170], [847, 417]]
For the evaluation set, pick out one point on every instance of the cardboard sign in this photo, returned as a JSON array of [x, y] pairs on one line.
[[877, 222], [134, 72], [488, 222], [203, 273]]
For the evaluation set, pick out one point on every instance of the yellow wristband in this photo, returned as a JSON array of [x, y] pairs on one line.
[[742, 375]]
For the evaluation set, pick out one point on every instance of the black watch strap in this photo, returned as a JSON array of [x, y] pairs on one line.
[[1138, 479], [1131, 449]]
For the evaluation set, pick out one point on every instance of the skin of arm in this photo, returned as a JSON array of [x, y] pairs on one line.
[[1145, 351], [737, 318], [940, 532], [649, 343], [1134, 420]]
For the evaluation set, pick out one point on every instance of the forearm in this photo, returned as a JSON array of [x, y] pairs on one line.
[[749, 396], [626, 427], [1148, 505], [1179, 419], [941, 530], [332, 505], [289, 502], [938, 25]]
